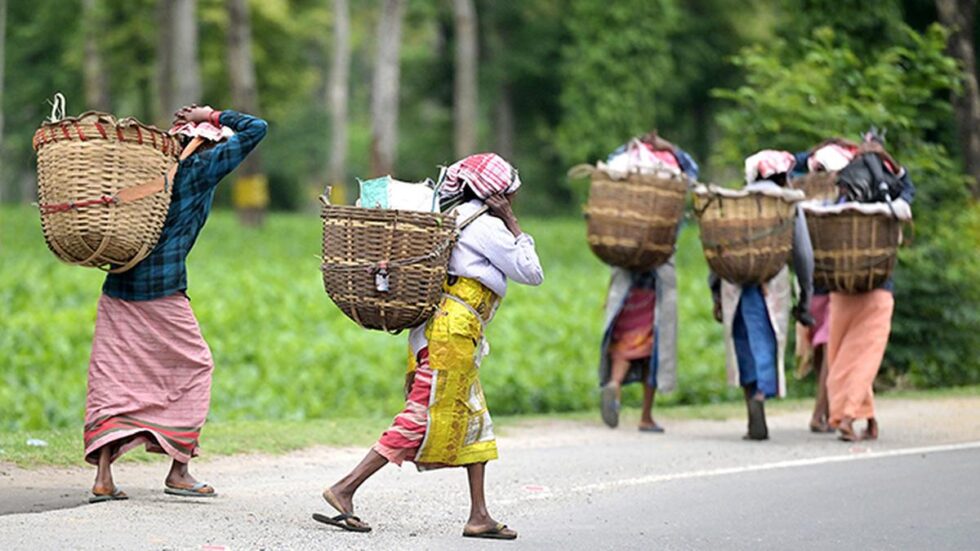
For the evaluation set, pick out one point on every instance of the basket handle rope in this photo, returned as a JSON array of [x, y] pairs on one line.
[[141, 191], [57, 107], [130, 194]]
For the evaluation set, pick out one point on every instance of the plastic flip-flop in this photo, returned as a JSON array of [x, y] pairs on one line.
[[498, 532], [342, 521], [655, 428], [115, 495], [193, 491]]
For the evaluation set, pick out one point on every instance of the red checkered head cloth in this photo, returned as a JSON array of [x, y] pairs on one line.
[[485, 173], [767, 162]]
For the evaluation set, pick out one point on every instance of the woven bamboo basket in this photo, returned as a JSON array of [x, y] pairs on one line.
[[853, 252], [82, 164], [385, 268], [821, 185], [632, 223], [746, 236]]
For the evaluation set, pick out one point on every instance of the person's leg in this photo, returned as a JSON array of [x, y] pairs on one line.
[[821, 409], [103, 475], [480, 520], [180, 478], [649, 395], [343, 490], [612, 391], [620, 368]]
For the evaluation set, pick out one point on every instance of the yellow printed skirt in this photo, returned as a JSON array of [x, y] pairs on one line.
[[459, 430]]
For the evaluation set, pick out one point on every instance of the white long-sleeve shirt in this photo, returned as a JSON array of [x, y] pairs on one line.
[[487, 252]]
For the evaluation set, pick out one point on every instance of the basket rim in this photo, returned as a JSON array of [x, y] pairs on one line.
[[710, 191], [375, 210], [99, 116]]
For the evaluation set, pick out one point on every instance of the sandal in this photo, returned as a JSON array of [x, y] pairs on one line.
[[197, 490], [821, 427], [115, 495], [343, 521], [498, 532]]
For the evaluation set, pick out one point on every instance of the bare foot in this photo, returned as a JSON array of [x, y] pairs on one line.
[[339, 498], [846, 429], [486, 527], [103, 485], [180, 478], [343, 501]]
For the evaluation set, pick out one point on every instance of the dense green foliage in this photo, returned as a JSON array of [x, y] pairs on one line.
[[283, 351], [792, 103]]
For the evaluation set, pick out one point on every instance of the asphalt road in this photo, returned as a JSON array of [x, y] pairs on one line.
[[562, 485]]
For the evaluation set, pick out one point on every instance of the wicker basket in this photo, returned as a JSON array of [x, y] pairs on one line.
[[853, 251], [385, 268], [632, 223], [83, 164], [746, 235], [819, 185]]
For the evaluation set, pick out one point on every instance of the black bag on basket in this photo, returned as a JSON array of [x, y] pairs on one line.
[[866, 180]]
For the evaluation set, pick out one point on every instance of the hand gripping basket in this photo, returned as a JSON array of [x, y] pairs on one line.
[[385, 268], [855, 245], [747, 235], [632, 222], [820, 185], [102, 190]]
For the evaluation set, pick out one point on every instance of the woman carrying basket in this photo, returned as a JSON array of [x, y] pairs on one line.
[[860, 324], [830, 155], [445, 422], [756, 317], [149, 378], [639, 340]]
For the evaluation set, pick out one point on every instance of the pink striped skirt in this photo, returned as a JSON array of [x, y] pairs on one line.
[[149, 378], [402, 440]]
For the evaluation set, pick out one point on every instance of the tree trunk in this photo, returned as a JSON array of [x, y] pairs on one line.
[[3, 43], [465, 85], [958, 15], [250, 193], [164, 64], [504, 122], [185, 70], [337, 88], [384, 89], [96, 89]]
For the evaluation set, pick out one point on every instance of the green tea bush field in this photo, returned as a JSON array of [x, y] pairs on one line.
[[283, 350]]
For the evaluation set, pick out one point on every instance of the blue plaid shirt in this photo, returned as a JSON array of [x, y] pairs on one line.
[[164, 271]]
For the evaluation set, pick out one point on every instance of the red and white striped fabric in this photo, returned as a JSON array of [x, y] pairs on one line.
[[485, 173], [766, 163]]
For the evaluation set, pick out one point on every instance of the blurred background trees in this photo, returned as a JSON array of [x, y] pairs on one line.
[[402, 86]]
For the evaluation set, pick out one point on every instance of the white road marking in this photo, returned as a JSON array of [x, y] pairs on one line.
[[705, 473]]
